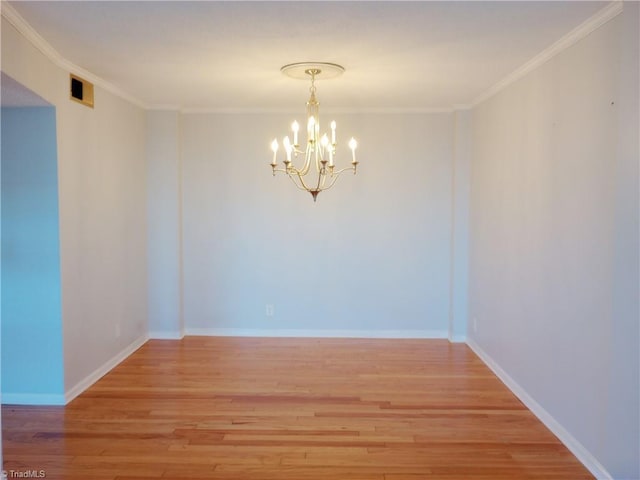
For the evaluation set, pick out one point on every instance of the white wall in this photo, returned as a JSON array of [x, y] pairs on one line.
[[103, 231], [620, 443], [554, 240], [164, 234], [102, 210], [461, 183], [370, 257]]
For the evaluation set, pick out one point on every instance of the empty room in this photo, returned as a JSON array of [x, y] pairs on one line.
[[360, 240]]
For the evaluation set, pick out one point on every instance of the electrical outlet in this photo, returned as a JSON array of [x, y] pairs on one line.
[[117, 330], [475, 324], [270, 310]]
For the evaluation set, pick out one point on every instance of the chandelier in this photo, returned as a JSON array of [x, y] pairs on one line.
[[318, 171]]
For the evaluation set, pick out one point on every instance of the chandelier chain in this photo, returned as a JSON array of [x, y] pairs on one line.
[[313, 73]]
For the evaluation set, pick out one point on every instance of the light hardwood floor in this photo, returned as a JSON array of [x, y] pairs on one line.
[[291, 409]]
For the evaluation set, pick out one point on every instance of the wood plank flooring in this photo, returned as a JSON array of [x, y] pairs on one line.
[[290, 409]]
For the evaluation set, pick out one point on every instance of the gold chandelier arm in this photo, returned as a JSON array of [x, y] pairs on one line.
[[307, 161], [296, 152], [333, 180], [352, 167], [296, 173], [321, 178], [334, 176]]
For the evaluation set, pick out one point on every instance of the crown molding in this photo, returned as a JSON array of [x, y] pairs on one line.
[[581, 31], [164, 108], [238, 110], [390, 110], [294, 111], [29, 33], [578, 33]]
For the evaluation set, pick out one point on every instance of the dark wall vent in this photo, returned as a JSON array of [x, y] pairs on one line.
[[81, 90]]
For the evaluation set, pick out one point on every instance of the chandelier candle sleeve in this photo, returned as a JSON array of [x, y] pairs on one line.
[[295, 127], [325, 143], [274, 147], [287, 147], [316, 172], [353, 145]]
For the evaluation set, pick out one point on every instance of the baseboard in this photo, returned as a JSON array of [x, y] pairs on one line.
[[104, 369], [457, 338], [32, 399], [574, 446], [248, 332], [160, 335]]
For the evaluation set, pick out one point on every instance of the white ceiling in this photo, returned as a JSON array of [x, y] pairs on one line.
[[227, 55]]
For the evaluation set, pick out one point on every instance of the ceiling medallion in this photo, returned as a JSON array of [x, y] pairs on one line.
[[320, 149]]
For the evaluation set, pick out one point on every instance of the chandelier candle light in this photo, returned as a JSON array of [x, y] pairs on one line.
[[320, 149]]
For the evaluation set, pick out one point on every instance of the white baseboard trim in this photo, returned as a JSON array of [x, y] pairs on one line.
[[249, 332], [574, 446], [159, 335], [32, 399], [457, 338], [104, 369]]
